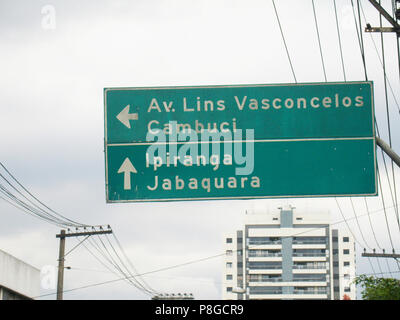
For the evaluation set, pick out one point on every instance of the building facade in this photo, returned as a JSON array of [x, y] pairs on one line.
[[18, 280], [288, 256]]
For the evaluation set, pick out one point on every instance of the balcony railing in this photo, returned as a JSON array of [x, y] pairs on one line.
[[297, 291], [264, 267], [309, 242], [310, 266], [263, 242], [308, 280], [304, 254], [266, 280], [263, 255]]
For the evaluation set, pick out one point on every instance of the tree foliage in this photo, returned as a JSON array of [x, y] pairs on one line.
[[379, 288]]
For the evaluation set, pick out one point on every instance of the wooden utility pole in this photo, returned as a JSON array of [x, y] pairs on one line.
[[61, 257], [60, 280]]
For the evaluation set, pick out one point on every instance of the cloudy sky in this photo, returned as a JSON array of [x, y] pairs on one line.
[[57, 56]]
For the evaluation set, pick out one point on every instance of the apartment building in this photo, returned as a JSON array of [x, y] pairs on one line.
[[287, 255]]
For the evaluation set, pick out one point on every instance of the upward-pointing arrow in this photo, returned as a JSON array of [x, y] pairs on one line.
[[127, 168], [124, 116]]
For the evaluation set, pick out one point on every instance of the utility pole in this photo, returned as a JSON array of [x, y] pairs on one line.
[[61, 257], [60, 280]]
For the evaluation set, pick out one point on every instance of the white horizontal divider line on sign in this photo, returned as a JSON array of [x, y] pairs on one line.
[[236, 141]]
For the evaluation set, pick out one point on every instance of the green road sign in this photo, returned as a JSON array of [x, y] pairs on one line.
[[306, 140]]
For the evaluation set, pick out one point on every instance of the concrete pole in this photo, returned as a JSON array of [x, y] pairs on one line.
[[389, 151], [60, 281]]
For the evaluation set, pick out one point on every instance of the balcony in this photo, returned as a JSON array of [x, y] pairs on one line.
[[309, 266], [300, 291], [287, 296], [253, 254], [258, 281], [305, 254]]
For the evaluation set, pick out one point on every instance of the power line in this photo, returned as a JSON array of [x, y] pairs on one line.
[[31, 207], [319, 40], [340, 41], [387, 109], [383, 202], [27, 208], [387, 177], [137, 282], [370, 223], [105, 253], [142, 274], [380, 61], [360, 42], [164, 269], [358, 224], [344, 76], [345, 220], [131, 264], [196, 261], [284, 41], [70, 222], [53, 217]]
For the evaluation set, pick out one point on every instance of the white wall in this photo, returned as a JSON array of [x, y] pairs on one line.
[[19, 276]]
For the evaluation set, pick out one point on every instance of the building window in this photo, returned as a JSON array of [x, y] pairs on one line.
[[335, 264], [347, 289], [229, 289], [346, 239], [346, 251], [275, 219], [346, 263], [229, 277], [299, 218], [335, 239], [336, 289], [346, 277], [228, 252], [335, 251], [229, 265], [9, 295], [228, 240]]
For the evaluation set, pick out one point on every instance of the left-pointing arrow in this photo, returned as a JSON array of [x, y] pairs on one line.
[[124, 116], [127, 168]]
